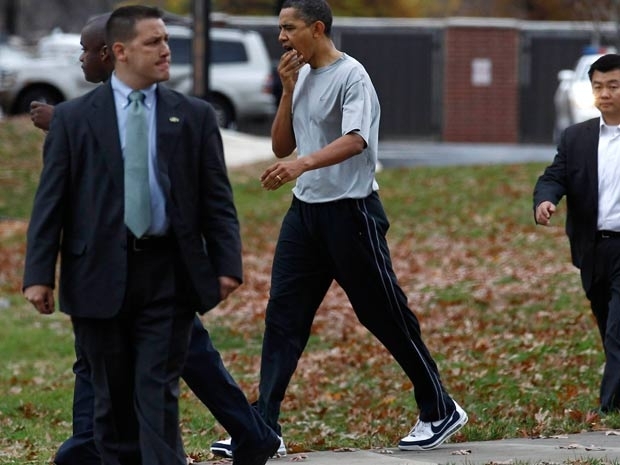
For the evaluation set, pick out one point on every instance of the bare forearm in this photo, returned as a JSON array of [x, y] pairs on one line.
[[339, 150], [282, 134]]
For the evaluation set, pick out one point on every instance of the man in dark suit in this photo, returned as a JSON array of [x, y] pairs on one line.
[[586, 169], [203, 372], [131, 283]]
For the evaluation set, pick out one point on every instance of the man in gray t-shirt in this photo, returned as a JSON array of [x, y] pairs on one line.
[[329, 102], [335, 228]]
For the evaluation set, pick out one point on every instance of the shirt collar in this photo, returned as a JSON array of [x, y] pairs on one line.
[[122, 91]]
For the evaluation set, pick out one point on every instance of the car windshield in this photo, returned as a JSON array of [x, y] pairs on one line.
[[222, 51]]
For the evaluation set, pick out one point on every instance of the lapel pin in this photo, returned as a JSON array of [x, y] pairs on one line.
[[173, 119]]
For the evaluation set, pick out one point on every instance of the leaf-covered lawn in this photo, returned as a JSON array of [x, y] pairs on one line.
[[500, 306]]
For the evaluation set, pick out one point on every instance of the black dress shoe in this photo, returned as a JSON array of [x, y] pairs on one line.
[[258, 456]]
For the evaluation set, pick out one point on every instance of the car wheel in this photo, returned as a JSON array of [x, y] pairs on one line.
[[224, 112], [42, 94]]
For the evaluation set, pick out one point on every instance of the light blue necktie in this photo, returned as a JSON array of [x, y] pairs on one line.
[[137, 192]]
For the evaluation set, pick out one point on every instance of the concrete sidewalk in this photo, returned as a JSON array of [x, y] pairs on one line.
[[240, 149], [598, 445]]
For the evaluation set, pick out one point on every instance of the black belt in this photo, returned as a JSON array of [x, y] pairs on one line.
[[149, 243], [607, 234]]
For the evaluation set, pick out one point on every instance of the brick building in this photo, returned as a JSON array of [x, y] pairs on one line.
[[481, 89]]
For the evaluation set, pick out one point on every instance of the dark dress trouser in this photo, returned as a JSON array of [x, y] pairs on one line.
[[80, 447], [204, 373], [135, 360], [604, 296], [345, 241]]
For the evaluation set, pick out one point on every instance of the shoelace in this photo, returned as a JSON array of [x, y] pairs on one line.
[[420, 425]]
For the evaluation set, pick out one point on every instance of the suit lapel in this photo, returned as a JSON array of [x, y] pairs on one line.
[[590, 139], [103, 122], [589, 149], [169, 126], [104, 125]]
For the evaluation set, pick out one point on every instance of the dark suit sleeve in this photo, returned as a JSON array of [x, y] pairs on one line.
[[45, 228], [552, 184], [219, 223]]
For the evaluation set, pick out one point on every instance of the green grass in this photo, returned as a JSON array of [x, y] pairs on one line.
[[20, 158], [500, 306]]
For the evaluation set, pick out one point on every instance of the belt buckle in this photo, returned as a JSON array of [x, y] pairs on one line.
[[605, 235], [135, 243]]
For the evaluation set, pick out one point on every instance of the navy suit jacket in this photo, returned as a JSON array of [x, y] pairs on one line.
[[574, 174], [78, 208]]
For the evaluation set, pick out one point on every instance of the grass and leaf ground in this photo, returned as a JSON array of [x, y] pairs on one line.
[[501, 309]]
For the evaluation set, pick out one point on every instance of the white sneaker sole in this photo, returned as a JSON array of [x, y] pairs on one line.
[[226, 452], [221, 452]]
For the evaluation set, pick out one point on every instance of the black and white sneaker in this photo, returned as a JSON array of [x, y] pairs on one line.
[[428, 435], [223, 448]]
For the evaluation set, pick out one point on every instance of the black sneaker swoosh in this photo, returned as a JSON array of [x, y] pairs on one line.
[[445, 423]]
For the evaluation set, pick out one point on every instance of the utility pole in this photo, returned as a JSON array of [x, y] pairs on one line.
[[201, 47], [10, 17]]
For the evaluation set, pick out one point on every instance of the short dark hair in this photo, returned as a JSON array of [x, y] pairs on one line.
[[312, 10], [121, 26], [605, 64], [96, 25]]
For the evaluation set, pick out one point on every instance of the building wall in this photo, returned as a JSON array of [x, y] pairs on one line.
[[404, 79], [421, 67], [480, 83]]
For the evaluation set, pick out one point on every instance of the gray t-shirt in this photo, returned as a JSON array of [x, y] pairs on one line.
[[328, 103]]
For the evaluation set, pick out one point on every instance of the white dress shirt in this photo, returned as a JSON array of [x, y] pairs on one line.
[[609, 177]]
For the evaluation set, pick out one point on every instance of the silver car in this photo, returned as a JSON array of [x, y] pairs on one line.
[[240, 73], [240, 76], [573, 99]]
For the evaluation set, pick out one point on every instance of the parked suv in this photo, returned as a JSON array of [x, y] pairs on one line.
[[240, 74], [240, 78]]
